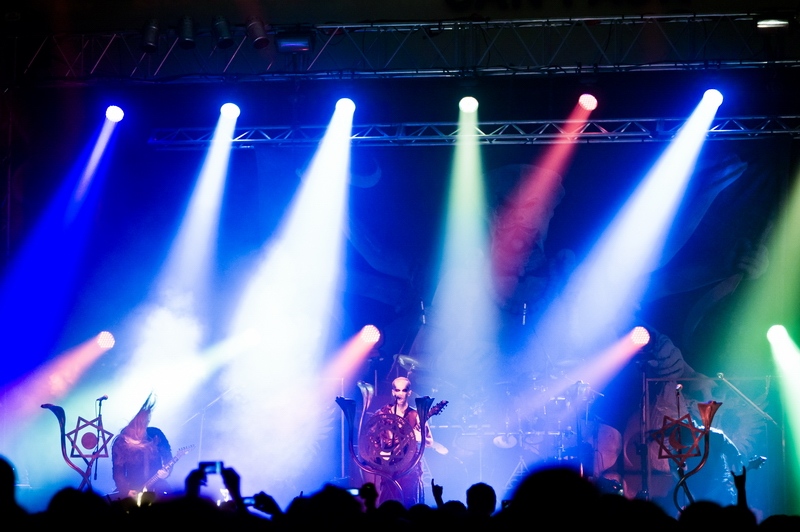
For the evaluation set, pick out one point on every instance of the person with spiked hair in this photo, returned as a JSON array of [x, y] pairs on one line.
[[139, 454]]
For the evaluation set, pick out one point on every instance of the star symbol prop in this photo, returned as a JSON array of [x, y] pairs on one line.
[[673, 442], [89, 439]]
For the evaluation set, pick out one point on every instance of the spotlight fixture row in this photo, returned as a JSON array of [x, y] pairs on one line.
[[467, 104], [230, 110], [224, 35], [220, 28]]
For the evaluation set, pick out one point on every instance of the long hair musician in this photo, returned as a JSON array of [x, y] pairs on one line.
[[140, 455]]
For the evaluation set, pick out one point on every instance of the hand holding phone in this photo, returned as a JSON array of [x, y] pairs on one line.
[[211, 468]]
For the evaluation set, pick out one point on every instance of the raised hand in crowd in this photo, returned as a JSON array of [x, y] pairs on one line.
[[266, 504], [369, 494], [739, 482], [438, 491]]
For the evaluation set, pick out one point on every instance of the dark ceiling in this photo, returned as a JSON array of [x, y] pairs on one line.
[[123, 15]]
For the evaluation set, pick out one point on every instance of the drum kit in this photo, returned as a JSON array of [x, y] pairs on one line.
[[499, 431], [540, 416], [547, 421]]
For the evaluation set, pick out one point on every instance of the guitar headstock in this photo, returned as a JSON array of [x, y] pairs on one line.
[[756, 462], [184, 450], [437, 408]]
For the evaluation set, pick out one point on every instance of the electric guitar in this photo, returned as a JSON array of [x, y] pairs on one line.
[[435, 411], [165, 470]]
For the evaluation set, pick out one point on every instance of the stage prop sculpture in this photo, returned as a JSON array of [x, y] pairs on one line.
[[88, 441], [670, 439], [387, 445]]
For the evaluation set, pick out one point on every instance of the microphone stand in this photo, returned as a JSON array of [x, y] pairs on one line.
[[99, 424], [681, 467], [202, 415], [741, 394], [641, 448]]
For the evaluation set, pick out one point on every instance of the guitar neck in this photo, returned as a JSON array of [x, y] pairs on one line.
[[155, 478]]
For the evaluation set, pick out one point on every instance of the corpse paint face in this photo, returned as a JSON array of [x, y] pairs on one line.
[[401, 389]]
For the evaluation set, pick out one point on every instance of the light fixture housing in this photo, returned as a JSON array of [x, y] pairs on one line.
[[186, 33], [222, 31], [150, 36], [257, 32], [294, 42]]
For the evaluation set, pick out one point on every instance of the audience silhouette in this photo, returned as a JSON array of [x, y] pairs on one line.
[[10, 509], [543, 496]]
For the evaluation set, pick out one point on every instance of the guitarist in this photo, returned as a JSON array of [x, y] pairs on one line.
[[140, 452], [413, 489]]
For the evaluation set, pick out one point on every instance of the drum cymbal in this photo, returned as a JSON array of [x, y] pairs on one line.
[[581, 391], [567, 363], [505, 441], [408, 363], [439, 448]]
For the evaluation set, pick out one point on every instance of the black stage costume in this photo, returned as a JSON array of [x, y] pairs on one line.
[[714, 481], [411, 482]]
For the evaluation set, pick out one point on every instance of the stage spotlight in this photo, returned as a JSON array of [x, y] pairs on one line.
[[186, 33], [370, 334], [640, 336], [150, 36], [106, 340], [588, 102], [768, 22], [114, 113], [222, 32], [230, 110], [257, 32], [772, 23], [776, 332], [713, 97], [293, 42], [468, 104], [346, 105]]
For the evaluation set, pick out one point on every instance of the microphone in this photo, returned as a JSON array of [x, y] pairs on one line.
[[678, 388], [101, 399]]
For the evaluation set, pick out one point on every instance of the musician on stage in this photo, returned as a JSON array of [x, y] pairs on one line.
[[140, 453], [411, 482]]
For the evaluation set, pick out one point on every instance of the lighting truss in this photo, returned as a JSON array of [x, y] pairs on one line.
[[421, 49], [510, 132]]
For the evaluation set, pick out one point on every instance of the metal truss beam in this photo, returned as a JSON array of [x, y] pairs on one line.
[[392, 50], [515, 132]]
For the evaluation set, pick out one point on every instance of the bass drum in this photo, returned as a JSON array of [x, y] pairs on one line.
[[606, 444]]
